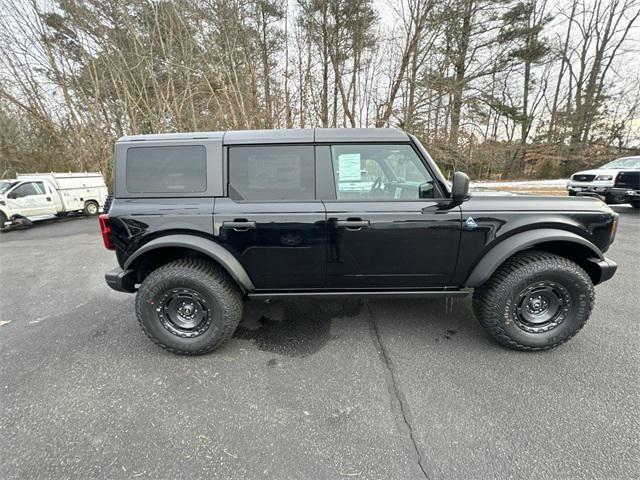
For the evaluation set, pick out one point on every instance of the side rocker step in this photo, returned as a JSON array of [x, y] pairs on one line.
[[360, 293]]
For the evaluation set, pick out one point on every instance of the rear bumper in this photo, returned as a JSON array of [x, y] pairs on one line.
[[607, 269], [121, 280]]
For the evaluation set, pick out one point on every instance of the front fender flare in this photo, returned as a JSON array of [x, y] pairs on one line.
[[518, 242], [207, 247]]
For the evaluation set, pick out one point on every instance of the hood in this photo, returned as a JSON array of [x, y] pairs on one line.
[[601, 171], [533, 203]]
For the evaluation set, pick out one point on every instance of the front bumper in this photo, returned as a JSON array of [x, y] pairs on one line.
[[121, 280], [588, 187]]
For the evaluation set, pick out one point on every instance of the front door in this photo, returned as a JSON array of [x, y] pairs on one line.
[[272, 222], [385, 227]]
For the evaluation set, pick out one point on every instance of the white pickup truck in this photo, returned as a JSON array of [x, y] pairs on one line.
[[36, 194]]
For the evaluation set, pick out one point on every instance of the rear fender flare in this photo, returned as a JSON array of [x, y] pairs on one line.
[[518, 242], [202, 245]]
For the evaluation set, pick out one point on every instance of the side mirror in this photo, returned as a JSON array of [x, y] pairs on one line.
[[12, 195], [459, 188]]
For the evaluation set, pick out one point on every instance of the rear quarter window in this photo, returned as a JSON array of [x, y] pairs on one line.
[[167, 169]]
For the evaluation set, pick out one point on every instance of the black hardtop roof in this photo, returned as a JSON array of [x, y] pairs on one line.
[[302, 135]]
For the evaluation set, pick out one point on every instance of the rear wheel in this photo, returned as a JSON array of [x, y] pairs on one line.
[[189, 306], [535, 301], [90, 208]]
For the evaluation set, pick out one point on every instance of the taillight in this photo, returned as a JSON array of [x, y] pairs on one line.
[[106, 232]]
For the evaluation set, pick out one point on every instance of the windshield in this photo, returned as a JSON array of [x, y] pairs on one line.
[[6, 185], [631, 162]]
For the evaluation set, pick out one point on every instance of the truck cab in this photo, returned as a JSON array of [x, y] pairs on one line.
[[31, 198]]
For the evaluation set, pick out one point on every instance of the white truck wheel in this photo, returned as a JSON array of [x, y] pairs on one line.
[[90, 208]]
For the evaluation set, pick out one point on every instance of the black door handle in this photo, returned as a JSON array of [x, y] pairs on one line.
[[352, 224], [240, 225], [48, 199]]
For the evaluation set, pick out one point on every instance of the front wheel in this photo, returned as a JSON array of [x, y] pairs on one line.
[[189, 306], [611, 199], [635, 203], [534, 301]]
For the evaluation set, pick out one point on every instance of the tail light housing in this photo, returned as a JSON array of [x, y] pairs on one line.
[[105, 230]]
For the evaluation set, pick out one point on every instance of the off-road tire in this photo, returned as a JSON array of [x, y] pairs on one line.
[[212, 283], [495, 303], [91, 208], [635, 204]]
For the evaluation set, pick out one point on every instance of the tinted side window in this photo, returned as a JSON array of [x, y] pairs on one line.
[[380, 172], [171, 169], [25, 190], [271, 173]]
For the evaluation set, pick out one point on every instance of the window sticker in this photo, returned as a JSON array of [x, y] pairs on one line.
[[349, 167]]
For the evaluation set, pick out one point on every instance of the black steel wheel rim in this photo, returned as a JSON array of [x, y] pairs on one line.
[[542, 306], [184, 312]]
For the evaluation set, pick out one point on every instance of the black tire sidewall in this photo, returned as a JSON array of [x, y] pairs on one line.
[[148, 316], [576, 317]]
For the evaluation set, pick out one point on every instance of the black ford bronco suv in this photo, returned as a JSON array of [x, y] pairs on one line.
[[201, 222]]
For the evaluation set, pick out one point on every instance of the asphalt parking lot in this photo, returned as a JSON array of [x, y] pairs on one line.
[[312, 389]]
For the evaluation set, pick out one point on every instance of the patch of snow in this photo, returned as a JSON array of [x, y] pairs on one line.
[[554, 183]]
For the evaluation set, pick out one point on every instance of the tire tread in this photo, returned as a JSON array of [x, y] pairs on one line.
[[216, 279], [501, 283]]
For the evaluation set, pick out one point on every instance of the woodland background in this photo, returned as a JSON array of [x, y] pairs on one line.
[[498, 88]]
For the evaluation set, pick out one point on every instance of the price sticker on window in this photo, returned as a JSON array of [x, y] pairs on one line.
[[349, 167]]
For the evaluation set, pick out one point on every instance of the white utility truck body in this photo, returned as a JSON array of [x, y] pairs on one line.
[[36, 194]]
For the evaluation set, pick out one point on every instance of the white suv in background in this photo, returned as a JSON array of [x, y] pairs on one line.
[[601, 180]]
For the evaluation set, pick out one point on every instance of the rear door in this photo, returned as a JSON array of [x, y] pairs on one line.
[[52, 203], [385, 225], [271, 221]]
